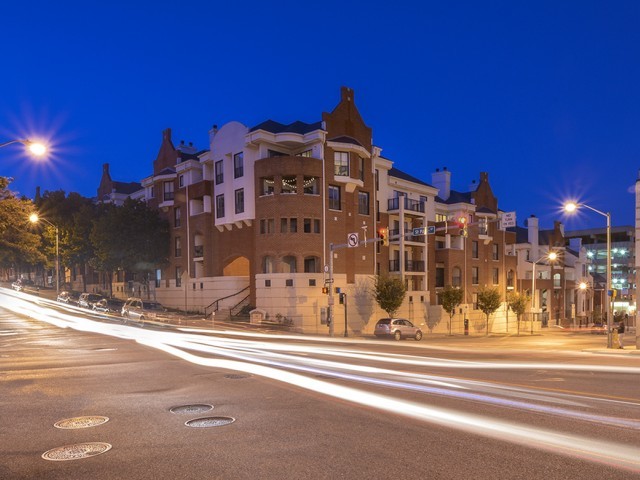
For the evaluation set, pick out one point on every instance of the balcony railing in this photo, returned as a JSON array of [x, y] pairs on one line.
[[409, 265], [409, 204]]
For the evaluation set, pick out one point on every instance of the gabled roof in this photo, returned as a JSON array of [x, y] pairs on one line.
[[295, 127], [345, 139], [456, 197], [522, 234], [166, 171], [183, 157], [484, 210], [394, 172], [126, 188]]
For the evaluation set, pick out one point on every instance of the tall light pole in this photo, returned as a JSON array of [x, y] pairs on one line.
[[551, 256], [34, 218], [572, 207], [36, 148]]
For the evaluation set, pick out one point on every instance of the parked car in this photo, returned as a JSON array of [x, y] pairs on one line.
[[397, 328], [88, 300], [138, 309], [24, 284], [599, 328], [69, 297], [108, 305]]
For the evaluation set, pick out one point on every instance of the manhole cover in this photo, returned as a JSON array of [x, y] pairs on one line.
[[210, 422], [76, 452], [81, 422], [197, 408], [235, 376]]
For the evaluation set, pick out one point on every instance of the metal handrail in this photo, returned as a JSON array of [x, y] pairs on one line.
[[216, 302]]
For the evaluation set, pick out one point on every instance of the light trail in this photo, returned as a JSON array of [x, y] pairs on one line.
[[292, 363]]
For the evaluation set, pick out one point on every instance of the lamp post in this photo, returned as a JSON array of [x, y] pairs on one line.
[[34, 218], [572, 207], [551, 256], [36, 148]]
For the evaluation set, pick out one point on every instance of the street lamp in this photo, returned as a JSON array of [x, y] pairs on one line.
[[36, 148], [34, 218], [571, 207], [551, 256]]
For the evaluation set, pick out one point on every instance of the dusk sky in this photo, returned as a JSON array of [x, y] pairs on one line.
[[542, 95]]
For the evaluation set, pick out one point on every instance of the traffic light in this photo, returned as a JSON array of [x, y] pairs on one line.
[[325, 290], [383, 234], [341, 298], [462, 225]]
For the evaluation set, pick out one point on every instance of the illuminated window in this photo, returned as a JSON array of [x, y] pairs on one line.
[[268, 186], [289, 184]]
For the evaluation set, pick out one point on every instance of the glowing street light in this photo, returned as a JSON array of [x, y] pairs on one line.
[[571, 207], [551, 256], [36, 148], [34, 218]]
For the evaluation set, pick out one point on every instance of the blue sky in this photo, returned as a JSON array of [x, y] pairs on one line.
[[545, 96]]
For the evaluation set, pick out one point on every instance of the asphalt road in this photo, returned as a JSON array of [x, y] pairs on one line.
[[546, 406]]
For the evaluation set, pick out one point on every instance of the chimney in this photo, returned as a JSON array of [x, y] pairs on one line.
[[346, 94], [533, 235], [442, 181], [558, 226]]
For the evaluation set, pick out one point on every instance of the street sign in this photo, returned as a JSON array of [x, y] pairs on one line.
[[431, 229], [508, 220], [353, 240]]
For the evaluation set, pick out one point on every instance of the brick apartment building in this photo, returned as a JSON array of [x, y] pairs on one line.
[[253, 218]]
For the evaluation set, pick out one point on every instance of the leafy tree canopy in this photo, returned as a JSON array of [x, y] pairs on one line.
[[517, 302], [389, 292], [132, 237], [19, 242], [489, 300], [450, 298]]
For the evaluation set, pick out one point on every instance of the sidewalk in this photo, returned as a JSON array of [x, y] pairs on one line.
[[547, 339]]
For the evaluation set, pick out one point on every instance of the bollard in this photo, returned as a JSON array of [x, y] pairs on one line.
[[615, 340]]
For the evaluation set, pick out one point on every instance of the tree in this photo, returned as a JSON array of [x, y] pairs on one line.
[[517, 302], [74, 216], [389, 292], [132, 237], [20, 245], [450, 298], [489, 301]]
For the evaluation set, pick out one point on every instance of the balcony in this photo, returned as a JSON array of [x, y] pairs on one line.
[[410, 204], [409, 266]]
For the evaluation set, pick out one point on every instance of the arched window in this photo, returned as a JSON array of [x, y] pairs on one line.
[[456, 277], [267, 265], [289, 264]]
